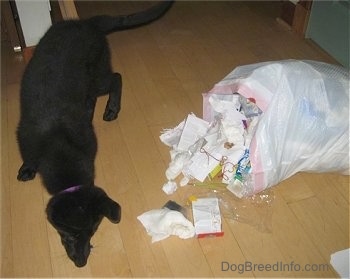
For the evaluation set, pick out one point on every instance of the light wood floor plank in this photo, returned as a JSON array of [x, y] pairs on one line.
[[320, 227], [145, 159], [28, 224], [6, 267]]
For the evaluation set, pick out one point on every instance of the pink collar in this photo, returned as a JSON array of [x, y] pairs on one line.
[[72, 189]]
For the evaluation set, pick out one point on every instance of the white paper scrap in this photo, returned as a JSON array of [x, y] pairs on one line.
[[202, 164], [194, 129], [171, 137]]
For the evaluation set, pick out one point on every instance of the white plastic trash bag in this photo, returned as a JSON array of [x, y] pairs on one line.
[[305, 121]]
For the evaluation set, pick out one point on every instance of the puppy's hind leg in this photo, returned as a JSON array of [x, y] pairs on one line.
[[115, 93], [29, 167], [30, 151]]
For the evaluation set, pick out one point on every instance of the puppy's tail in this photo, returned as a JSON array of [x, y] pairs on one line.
[[109, 24]]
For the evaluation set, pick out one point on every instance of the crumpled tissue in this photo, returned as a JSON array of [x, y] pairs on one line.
[[161, 223], [169, 187]]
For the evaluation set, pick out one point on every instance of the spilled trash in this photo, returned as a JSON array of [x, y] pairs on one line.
[[261, 124], [201, 150]]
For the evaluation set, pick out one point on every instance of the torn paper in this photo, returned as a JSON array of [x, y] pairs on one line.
[[194, 129]]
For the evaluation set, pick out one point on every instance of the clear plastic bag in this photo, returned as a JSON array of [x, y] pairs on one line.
[[305, 121]]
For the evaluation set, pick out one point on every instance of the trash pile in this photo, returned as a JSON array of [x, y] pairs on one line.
[[219, 149], [261, 124]]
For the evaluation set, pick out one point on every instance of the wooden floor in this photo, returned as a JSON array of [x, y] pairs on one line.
[[165, 67]]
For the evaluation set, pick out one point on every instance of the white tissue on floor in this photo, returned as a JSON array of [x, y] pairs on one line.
[[169, 187], [161, 223], [176, 165]]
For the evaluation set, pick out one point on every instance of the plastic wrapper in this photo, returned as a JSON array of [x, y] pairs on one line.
[[304, 125], [255, 210]]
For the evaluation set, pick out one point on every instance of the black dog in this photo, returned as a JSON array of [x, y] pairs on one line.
[[68, 71]]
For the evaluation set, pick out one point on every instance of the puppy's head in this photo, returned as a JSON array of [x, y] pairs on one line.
[[76, 216]]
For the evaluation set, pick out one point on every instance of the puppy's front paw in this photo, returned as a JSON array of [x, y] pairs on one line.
[[110, 115], [26, 173]]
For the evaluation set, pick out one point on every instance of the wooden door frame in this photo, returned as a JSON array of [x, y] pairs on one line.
[[68, 9], [10, 28]]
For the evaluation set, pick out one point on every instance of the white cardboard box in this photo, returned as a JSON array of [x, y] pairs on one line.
[[206, 217]]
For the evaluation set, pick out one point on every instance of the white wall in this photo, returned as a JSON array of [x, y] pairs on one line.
[[35, 19]]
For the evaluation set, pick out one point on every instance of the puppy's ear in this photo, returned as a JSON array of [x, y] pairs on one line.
[[110, 209]]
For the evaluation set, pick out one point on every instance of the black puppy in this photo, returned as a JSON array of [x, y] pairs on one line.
[[68, 71]]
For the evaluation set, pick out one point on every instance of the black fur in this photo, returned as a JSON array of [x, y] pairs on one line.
[[68, 71]]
